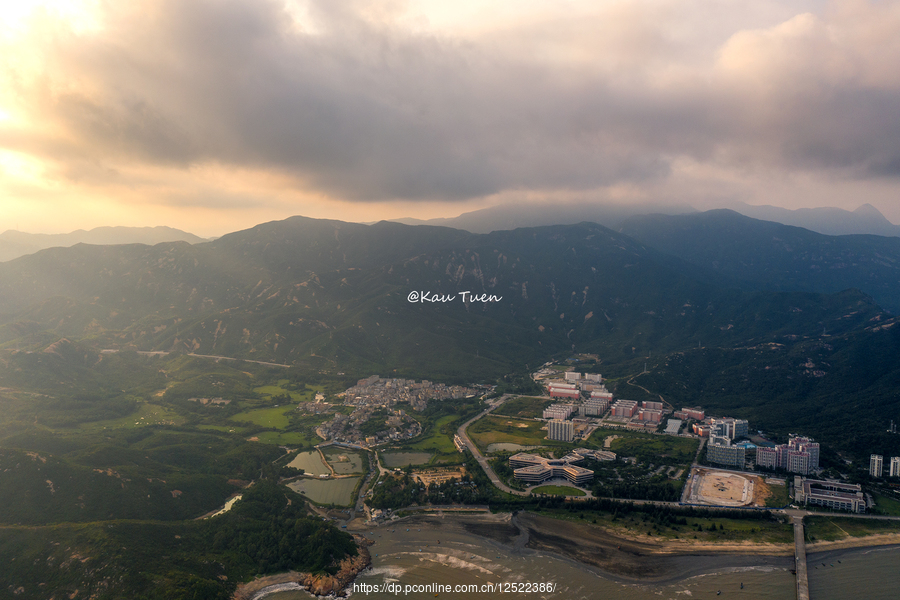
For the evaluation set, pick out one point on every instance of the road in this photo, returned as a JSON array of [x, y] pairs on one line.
[[217, 358], [478, 456]]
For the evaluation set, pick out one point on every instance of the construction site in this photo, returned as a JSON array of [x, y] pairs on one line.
[[716, 487]]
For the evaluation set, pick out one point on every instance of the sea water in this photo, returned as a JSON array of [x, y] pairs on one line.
[[861, 573], [428, 554]]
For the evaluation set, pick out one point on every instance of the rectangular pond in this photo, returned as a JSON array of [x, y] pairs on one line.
[[393, 460], [344, 461], [311, 463], [326, 491]]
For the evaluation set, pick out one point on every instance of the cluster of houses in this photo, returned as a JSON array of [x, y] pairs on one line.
[[378, 391]]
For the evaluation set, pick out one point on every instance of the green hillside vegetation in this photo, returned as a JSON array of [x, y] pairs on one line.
[[143, 559], [772, 256], [835, 388], [333, 295], [106, 448]]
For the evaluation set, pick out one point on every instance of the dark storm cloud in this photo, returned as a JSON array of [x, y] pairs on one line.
[[358, 107]]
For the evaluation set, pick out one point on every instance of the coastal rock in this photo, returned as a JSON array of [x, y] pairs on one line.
[[317, 584], [350, 567]]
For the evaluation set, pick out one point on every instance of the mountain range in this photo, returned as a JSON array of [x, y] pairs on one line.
[[14, 244], [304, 289], [693, 298], [829, 221], [772, 256]]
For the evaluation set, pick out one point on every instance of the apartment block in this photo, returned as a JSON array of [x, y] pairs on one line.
[[650, 414], [624, 408], [690, 413], [559, 411], [720, 451], [895, 466], [799, 455], [595, 407], [876, 465], [559, 430]]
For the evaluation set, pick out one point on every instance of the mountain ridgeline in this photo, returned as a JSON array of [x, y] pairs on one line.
[[333, 294], [770, 256]]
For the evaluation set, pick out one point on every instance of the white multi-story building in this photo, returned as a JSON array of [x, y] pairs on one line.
[[532, 468], [720, 451], [895, 466], [840, 496], [876, 465], [595, 407], [730, 428], [559, 430], [559, 411]]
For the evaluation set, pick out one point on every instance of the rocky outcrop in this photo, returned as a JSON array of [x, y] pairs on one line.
[[320, 585], [350, 567]]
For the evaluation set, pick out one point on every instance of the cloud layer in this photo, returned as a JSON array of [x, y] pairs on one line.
[[384, 100]]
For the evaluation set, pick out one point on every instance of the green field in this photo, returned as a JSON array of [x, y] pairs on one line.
[[265, 417], [223, 428], [524, 407], [779, 497], [146, 414], [490, 430], [710, 530], [558, 490], [287, 438], [827, 529], [886, 505], [280, 389], [435, 441], [648, 448]]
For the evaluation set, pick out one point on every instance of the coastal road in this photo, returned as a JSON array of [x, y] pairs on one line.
[[478, 456]]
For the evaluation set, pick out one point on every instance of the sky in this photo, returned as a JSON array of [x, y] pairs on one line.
[[214, 115]]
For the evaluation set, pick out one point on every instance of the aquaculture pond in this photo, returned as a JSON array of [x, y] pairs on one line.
[[344, 461], [326, 491], [394, 460], [311, 463]]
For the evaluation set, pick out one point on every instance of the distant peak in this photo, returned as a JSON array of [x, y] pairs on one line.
[[867, 209], [870, 212]]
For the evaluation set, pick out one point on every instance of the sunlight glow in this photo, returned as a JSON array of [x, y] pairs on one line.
[[16, 16]]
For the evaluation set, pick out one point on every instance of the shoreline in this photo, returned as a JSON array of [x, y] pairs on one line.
[[317, 585], [614, 557], [631, 561]]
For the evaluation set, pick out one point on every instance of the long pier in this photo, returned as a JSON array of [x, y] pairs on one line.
[[800, 559]]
